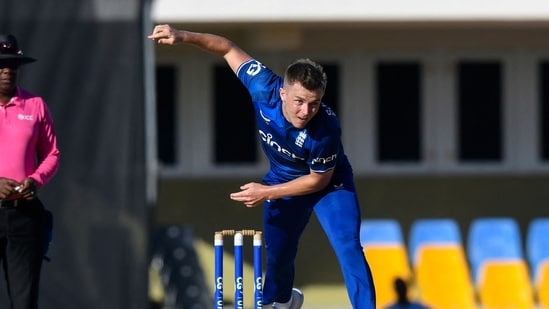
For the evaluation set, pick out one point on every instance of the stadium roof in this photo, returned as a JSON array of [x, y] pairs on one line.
[[213, 11]]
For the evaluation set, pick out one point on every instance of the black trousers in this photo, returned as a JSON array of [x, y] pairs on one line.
[[21, 251]]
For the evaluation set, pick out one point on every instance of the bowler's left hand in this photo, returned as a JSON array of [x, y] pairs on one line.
[[252, 194]]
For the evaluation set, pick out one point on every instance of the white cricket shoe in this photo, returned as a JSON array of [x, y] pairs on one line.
[[296, 301]]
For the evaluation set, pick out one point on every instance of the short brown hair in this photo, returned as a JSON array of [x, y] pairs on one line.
[[308, 73]]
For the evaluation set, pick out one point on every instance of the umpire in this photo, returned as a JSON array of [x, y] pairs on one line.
[[30, 158]]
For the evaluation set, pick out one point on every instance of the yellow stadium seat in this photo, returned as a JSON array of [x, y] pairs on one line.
[[387, 262], [505, 284], [542, 285], [443, 278]]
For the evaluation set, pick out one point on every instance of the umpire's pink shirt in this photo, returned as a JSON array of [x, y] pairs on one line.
[[28, 145]]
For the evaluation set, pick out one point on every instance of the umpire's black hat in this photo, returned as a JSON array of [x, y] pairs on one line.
[[10, 50]]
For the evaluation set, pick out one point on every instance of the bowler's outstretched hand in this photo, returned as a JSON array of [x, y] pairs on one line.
[[165, 34]]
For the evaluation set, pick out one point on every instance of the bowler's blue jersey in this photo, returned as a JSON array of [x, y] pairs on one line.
[[292, 152]]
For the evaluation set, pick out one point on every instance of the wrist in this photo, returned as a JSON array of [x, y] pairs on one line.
[[273, 192]]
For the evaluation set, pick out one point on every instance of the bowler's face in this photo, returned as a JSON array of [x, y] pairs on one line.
[[299, 105]]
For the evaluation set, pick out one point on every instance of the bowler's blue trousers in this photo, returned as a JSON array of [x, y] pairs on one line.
[[338, 212]]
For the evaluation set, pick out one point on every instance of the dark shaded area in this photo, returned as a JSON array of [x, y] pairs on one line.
[[176, 262], [480, 111], [90, 72], [398, 91]]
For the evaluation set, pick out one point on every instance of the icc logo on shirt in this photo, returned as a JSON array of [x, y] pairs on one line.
[[24, 117]]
